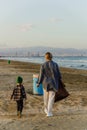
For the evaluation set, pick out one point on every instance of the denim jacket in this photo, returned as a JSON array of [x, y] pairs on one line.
[[49, 75]]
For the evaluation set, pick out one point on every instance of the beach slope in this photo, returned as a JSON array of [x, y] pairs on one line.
[[69, 113]]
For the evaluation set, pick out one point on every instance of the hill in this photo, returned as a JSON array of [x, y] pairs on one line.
[[40, 51]]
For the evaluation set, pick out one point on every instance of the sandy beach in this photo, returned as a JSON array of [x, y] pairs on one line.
[[69, 113]]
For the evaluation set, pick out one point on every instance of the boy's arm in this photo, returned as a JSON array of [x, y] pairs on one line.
[[12, 94], [24, 93]]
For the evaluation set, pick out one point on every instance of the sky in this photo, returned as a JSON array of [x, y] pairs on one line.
[[52, 23]]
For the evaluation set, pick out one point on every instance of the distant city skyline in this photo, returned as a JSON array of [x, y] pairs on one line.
[[53, 23]]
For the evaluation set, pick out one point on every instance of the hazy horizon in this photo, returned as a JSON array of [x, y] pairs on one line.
[[51, 23], [50, 47]]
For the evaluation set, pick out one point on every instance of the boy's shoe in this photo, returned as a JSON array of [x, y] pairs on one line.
[[20, 115], [49, 114]]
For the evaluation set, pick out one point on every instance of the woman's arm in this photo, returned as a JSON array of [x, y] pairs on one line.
[[59, 74], [40, 79]]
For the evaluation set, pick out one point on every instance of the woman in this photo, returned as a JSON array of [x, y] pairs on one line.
[[49, 77]]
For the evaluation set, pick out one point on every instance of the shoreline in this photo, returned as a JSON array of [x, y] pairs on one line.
[[62, 62], [39, 64]]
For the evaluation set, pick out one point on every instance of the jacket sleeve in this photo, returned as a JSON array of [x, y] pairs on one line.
[[13, 93], [59, 74], [23, 92], [40, 79]]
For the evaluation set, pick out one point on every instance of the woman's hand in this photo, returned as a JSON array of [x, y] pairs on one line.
[[37, 85]]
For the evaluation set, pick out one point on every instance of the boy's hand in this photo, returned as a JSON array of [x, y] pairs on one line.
[[10, 99], [25, 102]]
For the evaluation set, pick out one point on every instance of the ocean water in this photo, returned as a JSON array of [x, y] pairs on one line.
[[78, 62]]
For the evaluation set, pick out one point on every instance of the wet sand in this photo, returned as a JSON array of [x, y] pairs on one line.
[[69, 113]]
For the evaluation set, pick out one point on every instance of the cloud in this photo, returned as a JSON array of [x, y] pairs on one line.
[[56, 20], [25, 27]]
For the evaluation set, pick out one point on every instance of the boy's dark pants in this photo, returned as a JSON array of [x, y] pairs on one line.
[[19, 105]]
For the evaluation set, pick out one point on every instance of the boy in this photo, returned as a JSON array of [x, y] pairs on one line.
[[19, 94]]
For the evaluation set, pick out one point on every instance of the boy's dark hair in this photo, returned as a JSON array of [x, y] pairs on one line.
[[48, 55]]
